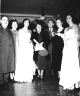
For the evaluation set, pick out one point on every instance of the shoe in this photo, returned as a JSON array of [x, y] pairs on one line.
[[34, 76], [64, 88], [38, 77], [41, 77]]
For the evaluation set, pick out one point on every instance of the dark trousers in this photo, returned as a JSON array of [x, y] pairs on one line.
[[4, 77]]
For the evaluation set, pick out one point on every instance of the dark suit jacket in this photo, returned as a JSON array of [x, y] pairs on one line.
[[50, 40], [6, 51]]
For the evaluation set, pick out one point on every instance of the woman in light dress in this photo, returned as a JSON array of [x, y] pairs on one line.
[[70, 71], [24, 64]]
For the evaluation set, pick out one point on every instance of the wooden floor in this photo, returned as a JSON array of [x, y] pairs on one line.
[[46, 87]]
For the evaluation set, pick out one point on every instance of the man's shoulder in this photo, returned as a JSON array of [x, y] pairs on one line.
[[54, 29], [46, 30], [1, 28]]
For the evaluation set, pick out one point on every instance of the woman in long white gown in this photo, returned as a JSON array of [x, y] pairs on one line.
[[70, 71], [24, 64]]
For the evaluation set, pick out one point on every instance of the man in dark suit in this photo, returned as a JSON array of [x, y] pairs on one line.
[[6, 50], [51, 31]]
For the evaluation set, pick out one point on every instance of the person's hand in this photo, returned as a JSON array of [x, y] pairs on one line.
[[52, 34], [59, 34]]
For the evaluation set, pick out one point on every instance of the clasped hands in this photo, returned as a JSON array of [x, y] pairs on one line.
[[61, 35]]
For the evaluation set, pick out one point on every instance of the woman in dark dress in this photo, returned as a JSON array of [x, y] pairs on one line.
[[57, 48], [41, 38]]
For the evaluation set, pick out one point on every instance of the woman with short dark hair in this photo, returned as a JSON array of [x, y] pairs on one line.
[[42, 39]]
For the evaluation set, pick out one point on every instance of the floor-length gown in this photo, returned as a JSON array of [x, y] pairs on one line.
[[58, 44], [70, 71], [24, 62]]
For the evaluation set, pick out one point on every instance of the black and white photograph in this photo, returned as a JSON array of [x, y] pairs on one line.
[[39, 47]]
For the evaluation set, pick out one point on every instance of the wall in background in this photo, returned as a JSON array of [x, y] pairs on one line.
[[20, 17], [0, 7]]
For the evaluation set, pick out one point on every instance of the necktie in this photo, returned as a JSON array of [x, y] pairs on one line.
[[50, 30]]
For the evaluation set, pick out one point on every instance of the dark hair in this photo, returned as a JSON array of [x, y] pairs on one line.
[[26, 19], [11, 21], [73, 17], [59, 19], [39, 22], [14, 20], [52, 20], [4, 16]]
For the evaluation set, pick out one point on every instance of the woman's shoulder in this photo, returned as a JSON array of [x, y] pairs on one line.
[[68, 29], [75, 26]]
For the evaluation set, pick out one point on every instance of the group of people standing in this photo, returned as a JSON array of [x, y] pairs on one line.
[[24, 51], [16, 51]]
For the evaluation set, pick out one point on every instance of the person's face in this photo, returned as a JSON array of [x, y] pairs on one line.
[[14, 25], [50, 24], [4, 22], [38, 28], [26, 23], [68, 19], [59, 23]]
